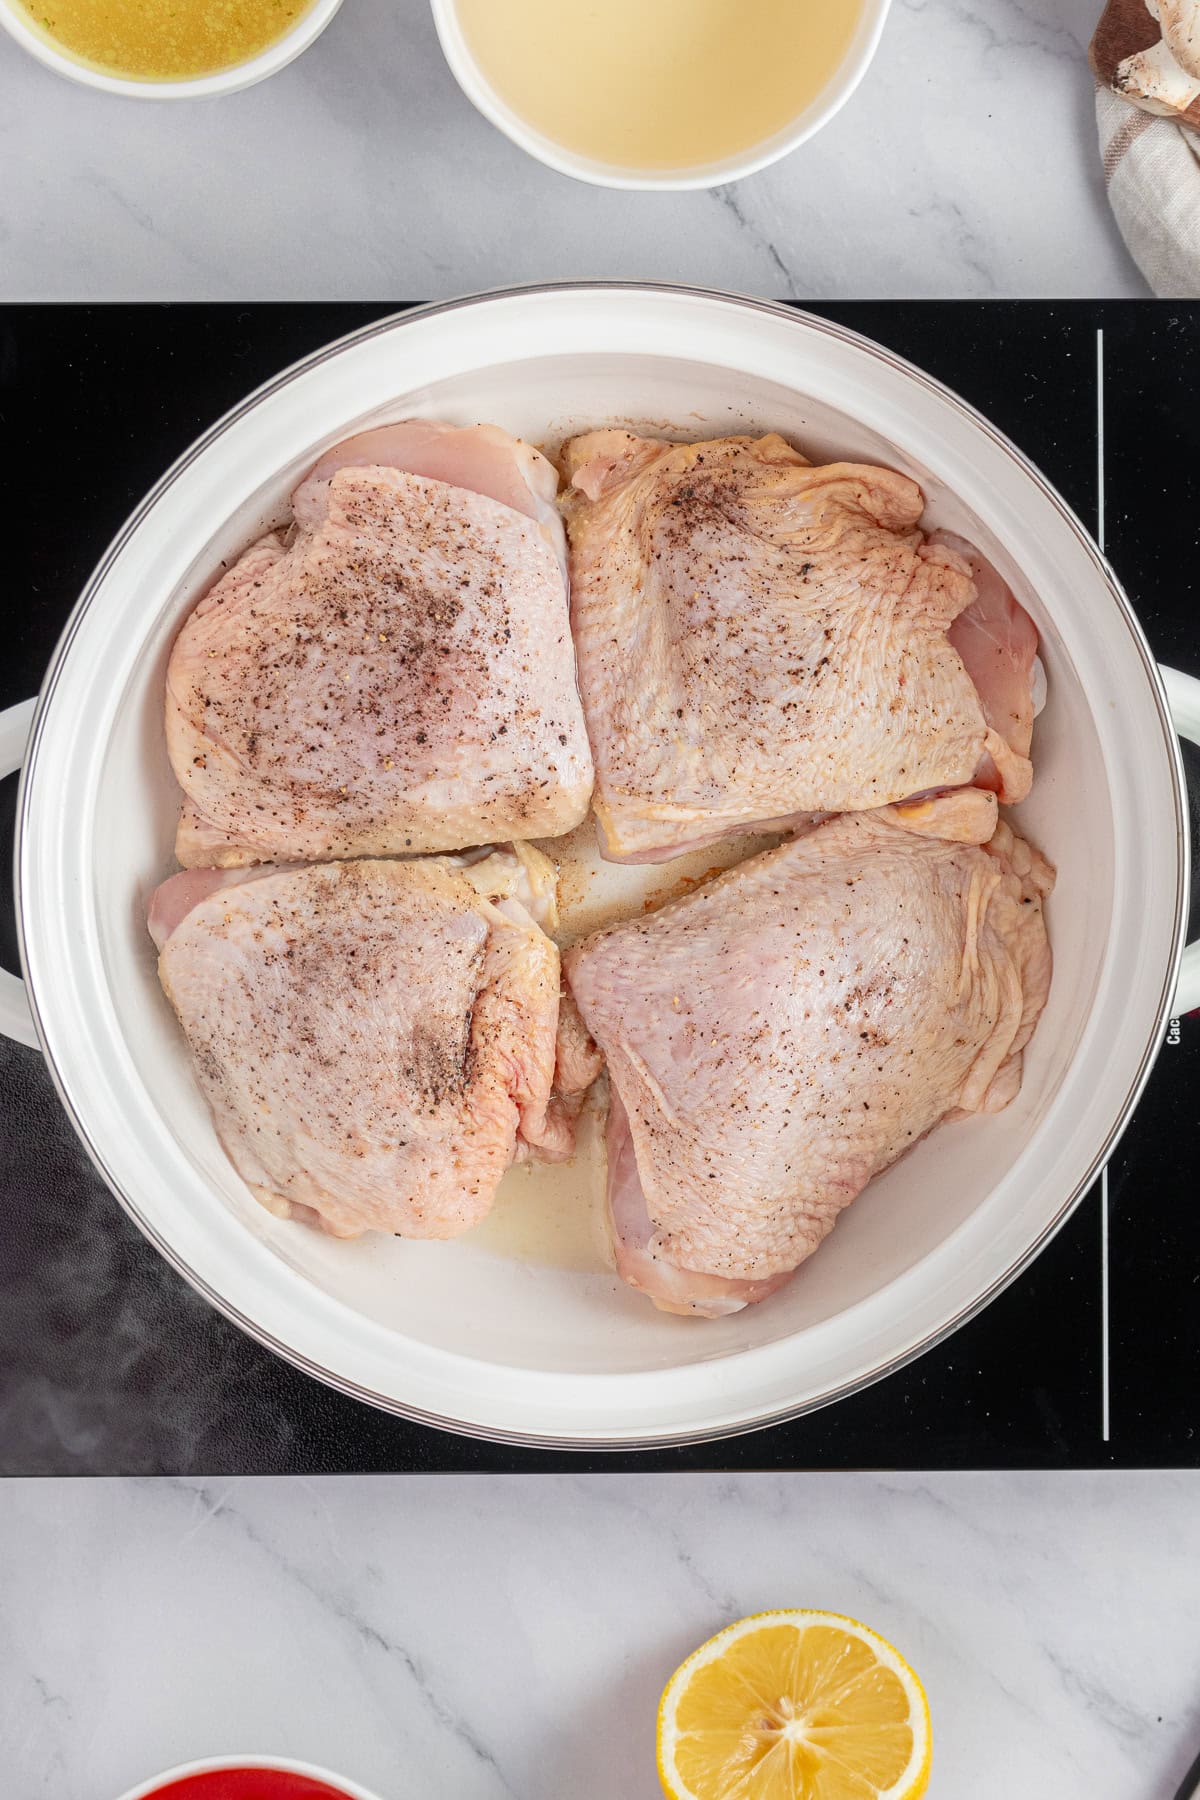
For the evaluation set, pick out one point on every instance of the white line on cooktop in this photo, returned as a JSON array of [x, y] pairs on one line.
[[1100, 438], [1104, 1384], [1104, 1412]]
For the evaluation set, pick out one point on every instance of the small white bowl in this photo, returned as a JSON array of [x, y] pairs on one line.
[[213, 1765], [806, 124], [276, 56]]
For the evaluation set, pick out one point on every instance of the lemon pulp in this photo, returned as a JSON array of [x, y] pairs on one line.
[[794, 1706]]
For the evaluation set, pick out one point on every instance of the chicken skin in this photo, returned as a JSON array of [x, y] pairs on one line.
[[760, 640], [777, 1038], [376, 1040], [395, 673]]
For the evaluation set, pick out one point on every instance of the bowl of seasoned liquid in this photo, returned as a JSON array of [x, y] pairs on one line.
[[247, 1778], [166, 49], [677, 94]]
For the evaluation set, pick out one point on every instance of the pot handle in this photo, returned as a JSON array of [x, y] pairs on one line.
[[16, 1019], [1183, 697]]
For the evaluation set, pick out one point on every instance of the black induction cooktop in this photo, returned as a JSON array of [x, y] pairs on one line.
[[109, 1364]]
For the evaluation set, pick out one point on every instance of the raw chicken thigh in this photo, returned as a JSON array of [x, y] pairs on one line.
[[998, 642], [760, 639], [480, 458], [393, 674], [777, 1038], [376, 1039]]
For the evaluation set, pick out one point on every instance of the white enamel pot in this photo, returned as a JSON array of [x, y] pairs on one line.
[[456, 1334]]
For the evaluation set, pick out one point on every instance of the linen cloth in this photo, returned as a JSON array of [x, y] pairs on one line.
[[1152, 172]]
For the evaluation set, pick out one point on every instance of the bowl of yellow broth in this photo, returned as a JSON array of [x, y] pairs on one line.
[[659, 93], [166, 49]]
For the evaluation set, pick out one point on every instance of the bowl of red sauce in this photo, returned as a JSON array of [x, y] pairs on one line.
[[248, 1778]]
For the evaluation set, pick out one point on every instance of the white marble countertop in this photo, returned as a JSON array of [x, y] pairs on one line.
[[966, 165], [506, 1638]]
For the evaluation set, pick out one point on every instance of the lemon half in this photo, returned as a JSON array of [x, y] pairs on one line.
[[794, 1706]]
